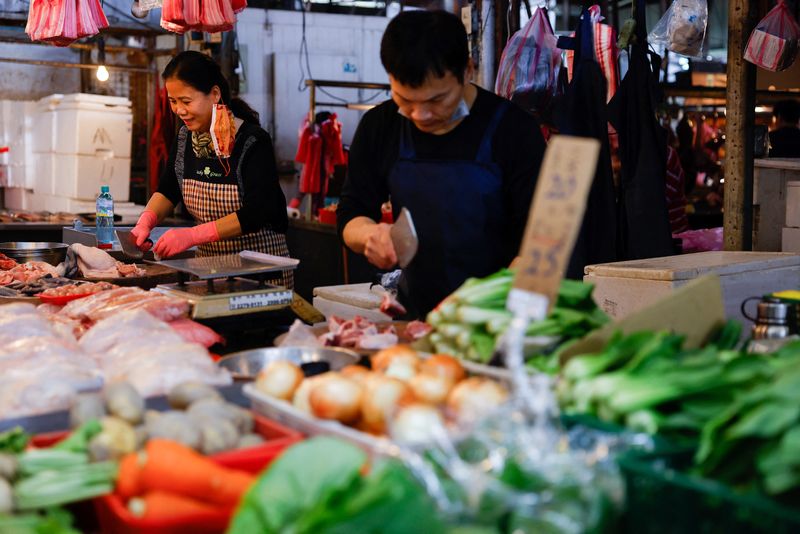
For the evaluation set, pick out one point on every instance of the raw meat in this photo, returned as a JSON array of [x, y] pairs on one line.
[[7, 263], [391, 306], [350, 333], [96, 263], [27, 272], [194, 332], [107, 303], [417, 330], [377, 341]]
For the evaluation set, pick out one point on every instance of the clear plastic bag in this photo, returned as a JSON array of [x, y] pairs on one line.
[[682, 29], [773, 43], [529, 66]]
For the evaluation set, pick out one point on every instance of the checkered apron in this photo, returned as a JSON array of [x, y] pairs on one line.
[[207, 202]]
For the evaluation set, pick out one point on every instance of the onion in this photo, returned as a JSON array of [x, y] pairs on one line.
[[382, 395], [300, 400], [400, 361], [431, 389], [280, 379], [417, 424], [359, 373], [445, 366], [474, 398], [337, 397]]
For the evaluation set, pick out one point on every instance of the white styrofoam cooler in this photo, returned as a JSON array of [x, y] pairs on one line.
[[792, 205], [80, 177], [18, 198], [623, 288], [84, 124], [347, 301]]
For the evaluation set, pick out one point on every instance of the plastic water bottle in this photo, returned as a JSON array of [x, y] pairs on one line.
[[104, 218]]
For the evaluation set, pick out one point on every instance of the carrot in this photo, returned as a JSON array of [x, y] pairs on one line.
[[164, 506], [128, 483], [175, 468]]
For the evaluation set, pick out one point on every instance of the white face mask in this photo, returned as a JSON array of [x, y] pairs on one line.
[[461, 111]]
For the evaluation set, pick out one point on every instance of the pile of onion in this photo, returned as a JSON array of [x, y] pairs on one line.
[[411, 396]]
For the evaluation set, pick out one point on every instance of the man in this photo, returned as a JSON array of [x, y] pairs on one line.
[[784, 140], [461, 159]]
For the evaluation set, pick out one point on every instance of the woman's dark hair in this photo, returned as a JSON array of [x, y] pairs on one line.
[[203, 73], [417, 44]]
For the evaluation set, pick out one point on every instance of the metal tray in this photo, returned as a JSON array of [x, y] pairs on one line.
[[222, 266], [285, 413], [247, 364]]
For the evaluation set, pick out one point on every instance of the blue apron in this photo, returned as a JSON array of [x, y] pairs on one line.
[[458, 211]]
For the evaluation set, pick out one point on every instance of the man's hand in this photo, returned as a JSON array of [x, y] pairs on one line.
[[378, 247]]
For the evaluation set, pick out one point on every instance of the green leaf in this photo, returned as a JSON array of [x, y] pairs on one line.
[[78, 440], [13, 441], [765, 421], [304, 477]]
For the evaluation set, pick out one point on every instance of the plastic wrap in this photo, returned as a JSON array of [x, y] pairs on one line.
[[682, 29], [773, 43], [107, 303]]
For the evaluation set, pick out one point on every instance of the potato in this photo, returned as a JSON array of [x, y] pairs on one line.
[[176, 426], [86, 407], [117, 439], [218, 435], [187, 393], [124, 401], [219, 409], [249, 440]]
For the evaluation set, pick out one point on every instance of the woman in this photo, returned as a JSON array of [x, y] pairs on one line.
[[228, 183]]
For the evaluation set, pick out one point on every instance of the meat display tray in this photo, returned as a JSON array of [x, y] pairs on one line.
[[227, 265]]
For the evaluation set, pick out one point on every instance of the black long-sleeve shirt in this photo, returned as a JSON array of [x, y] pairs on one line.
[[517, 147], [264, 205]]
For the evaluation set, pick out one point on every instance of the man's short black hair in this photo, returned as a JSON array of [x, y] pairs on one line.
[[418, 44], [787, 111]]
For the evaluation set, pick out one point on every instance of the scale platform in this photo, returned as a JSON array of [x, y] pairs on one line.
[[220, 290]]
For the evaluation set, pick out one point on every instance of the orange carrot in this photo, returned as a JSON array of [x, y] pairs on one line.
[[163, 506], [128, 483], [175, 468]]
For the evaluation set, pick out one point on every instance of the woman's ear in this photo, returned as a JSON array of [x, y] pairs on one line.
[[216, 94]]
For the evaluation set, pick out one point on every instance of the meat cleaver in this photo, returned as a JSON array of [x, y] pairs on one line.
[[128, 243], [404, 238]]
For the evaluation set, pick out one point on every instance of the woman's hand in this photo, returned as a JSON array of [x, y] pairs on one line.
[[147, 221], [177, 240]]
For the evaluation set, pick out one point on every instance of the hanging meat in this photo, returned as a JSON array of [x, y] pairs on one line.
[[210, 16], [61, 22]]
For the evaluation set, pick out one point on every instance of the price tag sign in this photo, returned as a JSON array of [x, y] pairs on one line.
[[556, 214], [260, 300]]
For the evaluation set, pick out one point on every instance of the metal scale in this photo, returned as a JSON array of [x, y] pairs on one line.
[[221, 290]]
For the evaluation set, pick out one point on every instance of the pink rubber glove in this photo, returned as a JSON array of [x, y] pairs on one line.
[[147, 221], [179, 239]]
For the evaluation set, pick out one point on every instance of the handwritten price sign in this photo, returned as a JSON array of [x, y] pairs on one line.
[[556, 213]]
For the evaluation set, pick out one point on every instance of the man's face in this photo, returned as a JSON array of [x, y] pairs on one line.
[[431, 105]]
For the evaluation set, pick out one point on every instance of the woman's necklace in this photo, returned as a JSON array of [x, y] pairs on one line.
[[202, 145]]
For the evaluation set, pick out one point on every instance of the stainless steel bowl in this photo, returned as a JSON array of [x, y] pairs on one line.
[[247, 363], [24, 251]]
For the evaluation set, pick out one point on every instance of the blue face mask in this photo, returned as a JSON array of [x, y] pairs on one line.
[[461, 111]]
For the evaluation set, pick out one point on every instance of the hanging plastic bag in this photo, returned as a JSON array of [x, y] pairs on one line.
[[529, 66], [773, 44], [682, 29], [605, 51]]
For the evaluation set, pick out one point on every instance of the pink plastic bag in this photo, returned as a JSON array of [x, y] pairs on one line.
[[773, 44], [701, 240], [605, 51], [529, 66]]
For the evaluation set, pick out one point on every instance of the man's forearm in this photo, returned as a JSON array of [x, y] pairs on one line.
[[356, 232]]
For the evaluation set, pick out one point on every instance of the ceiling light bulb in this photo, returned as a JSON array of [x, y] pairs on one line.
[[102, 73]]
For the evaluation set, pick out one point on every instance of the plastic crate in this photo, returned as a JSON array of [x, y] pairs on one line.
[[663, 498], [114, 517]]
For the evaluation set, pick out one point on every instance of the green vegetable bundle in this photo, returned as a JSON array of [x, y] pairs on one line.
[[755, 441], [469, 323], [647, 382]]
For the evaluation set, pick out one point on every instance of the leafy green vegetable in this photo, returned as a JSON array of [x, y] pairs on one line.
[[78, 440], [53, 521], [13, 441], [70, 484]]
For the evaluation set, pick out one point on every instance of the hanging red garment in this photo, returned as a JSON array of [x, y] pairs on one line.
[[313, 139], [162, 135], [61, 22]]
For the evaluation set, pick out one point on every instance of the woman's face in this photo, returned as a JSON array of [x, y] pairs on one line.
[[192, 106]]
